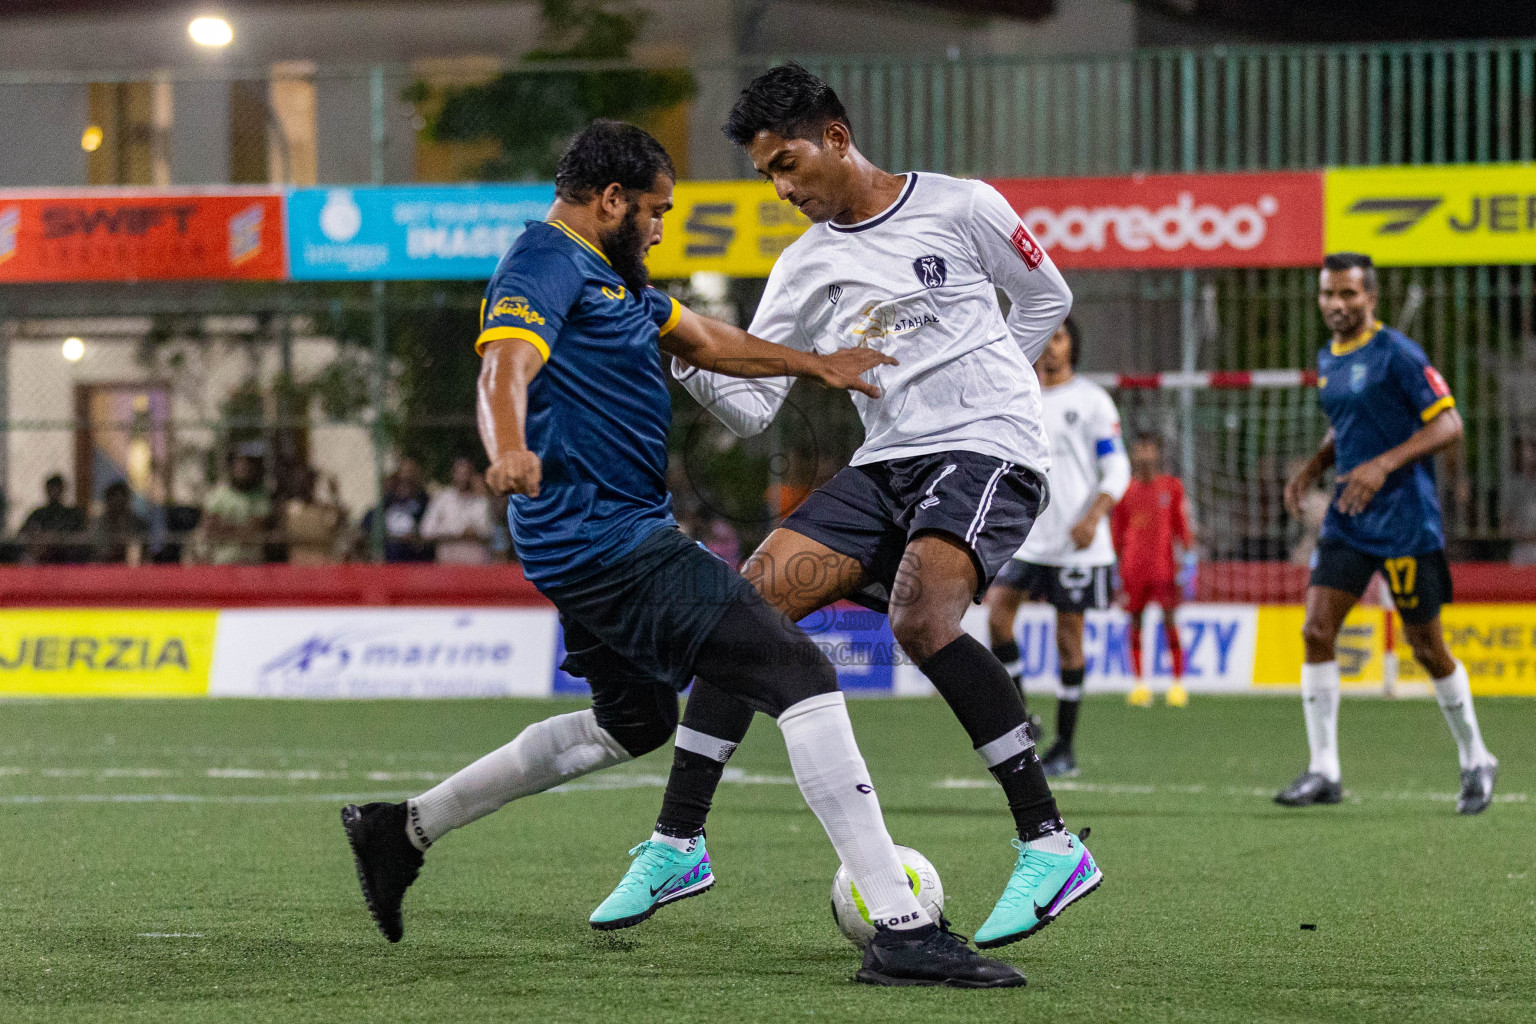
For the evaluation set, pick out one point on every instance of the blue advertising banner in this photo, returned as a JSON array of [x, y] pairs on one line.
[[416, 232]]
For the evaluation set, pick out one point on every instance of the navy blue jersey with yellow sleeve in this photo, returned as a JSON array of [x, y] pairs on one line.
[[1378, 390], [598, 411]]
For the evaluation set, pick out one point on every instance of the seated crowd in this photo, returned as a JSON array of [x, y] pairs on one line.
[[248, 519]]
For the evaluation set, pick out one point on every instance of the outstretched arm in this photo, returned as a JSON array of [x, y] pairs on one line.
[[730, 351]]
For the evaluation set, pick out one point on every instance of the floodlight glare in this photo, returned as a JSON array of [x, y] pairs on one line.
[[210, 32], [73, 349]]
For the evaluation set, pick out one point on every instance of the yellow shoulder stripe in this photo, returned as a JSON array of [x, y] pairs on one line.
[[503, 333], [1448, 402], [578, 239], [677, 314]]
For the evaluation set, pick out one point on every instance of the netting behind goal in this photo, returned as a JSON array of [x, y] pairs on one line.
[[1235, 438]]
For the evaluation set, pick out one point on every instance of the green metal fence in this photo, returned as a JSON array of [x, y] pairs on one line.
[[1227, 108]]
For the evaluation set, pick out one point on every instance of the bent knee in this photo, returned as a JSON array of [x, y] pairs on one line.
[[641, 722], [1318, 638], [922, 636]]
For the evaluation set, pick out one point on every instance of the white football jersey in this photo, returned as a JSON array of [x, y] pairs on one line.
[[1087, 459], [918, 282]]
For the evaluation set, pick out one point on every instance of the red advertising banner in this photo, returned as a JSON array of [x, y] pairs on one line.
[[1174, 220], [131, 235]]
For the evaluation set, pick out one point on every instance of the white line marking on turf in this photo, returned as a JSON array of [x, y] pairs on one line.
[[1123, 789]]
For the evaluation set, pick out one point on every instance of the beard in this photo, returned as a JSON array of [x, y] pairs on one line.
[[625, 249]]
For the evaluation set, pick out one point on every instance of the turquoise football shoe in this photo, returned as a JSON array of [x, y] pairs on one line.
[[660, 874], [1042, 886]]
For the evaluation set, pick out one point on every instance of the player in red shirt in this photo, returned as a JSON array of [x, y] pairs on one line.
[[1146, 523]]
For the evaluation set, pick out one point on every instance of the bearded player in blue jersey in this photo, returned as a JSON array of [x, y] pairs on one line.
[[1389, 411], [574, 411]]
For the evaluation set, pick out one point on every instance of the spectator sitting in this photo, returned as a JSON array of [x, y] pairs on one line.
[[313, 528], [405, 502], [237, 514], [118, 534], [459, 518], [53, 530]]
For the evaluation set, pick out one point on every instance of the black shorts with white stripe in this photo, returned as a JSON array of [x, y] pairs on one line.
[[1067, 588], [870, 512]]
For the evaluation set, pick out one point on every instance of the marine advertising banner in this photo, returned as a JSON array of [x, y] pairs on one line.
[[408, 233], [140, 235], [1271, 219], [384, 652], [1434, 215]]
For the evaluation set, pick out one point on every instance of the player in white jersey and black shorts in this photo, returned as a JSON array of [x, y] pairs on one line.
[[1068, 557], [944, 489]]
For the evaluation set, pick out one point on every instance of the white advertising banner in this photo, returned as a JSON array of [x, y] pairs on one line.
[[384, 652], [1219, 641]]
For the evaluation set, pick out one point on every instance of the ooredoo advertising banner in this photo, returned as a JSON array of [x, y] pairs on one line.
[[1174, 220], [135, 235]]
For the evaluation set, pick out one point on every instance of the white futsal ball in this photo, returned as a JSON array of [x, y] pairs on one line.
[[853, 917]]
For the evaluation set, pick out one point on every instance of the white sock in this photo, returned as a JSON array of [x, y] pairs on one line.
[[1320, 704], [1454, 693], [545, 754], [681, 845], [1057, 842], [835, 783]]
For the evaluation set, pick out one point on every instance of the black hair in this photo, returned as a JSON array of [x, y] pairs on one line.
[[1353, 261], [607, 152], [1151, 437], [1075, 338], [56, 480], [788, 101]]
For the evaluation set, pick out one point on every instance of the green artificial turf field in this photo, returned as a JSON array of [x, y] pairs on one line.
[[183, 861]]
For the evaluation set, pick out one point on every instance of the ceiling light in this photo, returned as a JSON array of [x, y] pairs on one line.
[[210, 32]]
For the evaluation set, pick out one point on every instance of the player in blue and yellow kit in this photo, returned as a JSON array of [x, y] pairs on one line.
[[1389, 412], [574, 411]]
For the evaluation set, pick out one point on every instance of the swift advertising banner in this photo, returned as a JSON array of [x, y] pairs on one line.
[[134, 235], [1434, 216], [1174, 220], [408, 233]]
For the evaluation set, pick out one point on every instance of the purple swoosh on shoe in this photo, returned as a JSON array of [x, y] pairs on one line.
[[1078, 877]]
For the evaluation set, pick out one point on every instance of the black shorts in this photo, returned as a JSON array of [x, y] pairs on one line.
[[870, 512], [1420, 584], [643, 620], [1067, 588]]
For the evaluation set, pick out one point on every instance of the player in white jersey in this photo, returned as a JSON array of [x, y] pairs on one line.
[[942, 492], [1066, 559]]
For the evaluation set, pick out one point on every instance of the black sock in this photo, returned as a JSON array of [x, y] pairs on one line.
[[714, 722], [690, 794], [977, 688], [1067, 707]]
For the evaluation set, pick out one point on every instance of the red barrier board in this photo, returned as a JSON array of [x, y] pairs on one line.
[[134, 235], [1174, 220]]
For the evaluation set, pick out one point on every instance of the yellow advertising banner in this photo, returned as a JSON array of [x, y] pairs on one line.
[[1497, 643], [1279, 654], [730, 227], [1432, 215], [120, 652]]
